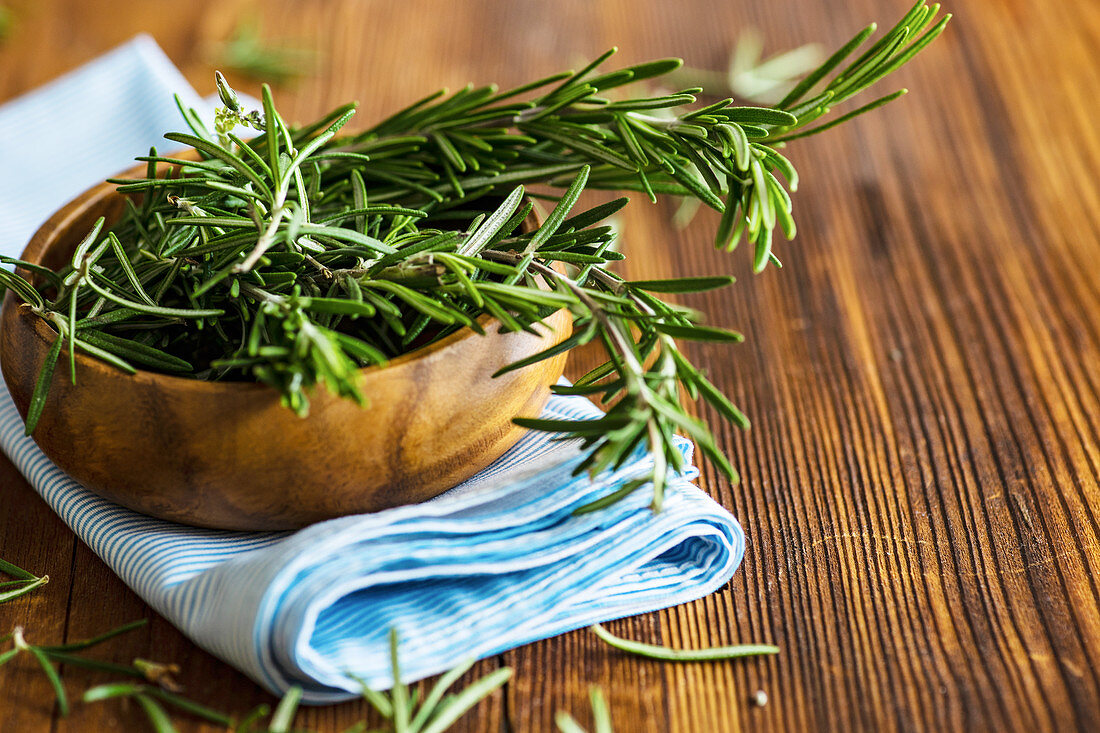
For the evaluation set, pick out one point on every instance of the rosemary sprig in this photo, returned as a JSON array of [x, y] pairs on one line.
[[23, 583], [152, 700], [156, 692], [601, 714], [155, 689], [302, 255], [47, 656], [439, 710]]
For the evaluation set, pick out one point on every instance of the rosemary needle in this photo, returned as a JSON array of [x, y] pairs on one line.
[[710, 654]]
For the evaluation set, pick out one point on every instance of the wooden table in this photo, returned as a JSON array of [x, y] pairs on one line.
[[920, 488]]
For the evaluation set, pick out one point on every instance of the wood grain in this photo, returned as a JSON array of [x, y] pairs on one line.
[[920, 487]]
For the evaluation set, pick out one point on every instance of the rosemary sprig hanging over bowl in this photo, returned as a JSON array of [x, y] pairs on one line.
[[300, 256]]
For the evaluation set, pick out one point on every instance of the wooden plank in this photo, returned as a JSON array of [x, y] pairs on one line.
[[899, 476], [35, 539]]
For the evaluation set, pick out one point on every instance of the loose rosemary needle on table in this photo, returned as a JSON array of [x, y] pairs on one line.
[[300, 255]]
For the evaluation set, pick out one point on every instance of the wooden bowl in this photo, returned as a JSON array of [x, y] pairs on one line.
[[228, 455]]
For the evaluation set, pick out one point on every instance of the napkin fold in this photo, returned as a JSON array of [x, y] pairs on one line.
[[496, 562]]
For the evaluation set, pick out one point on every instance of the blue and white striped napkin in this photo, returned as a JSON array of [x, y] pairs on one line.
[[496, 562]]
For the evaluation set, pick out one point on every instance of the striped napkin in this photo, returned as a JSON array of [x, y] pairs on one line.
[[494, 563]]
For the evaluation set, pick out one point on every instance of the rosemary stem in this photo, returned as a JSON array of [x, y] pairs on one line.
[[266, 238]]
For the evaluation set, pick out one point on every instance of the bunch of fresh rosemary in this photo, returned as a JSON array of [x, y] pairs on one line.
[[300, 256]]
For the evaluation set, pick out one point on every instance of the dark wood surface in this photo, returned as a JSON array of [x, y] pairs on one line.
[[920, 487]]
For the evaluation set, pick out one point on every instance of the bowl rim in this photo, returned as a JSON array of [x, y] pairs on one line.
[[45, 237]]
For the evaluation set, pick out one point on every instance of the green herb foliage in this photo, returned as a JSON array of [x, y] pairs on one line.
[[666, 654], [601, 715], [248, 54], [300, 256], [47, 657], [157, 694], [153, 688], [21, 584], [439, 709]]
